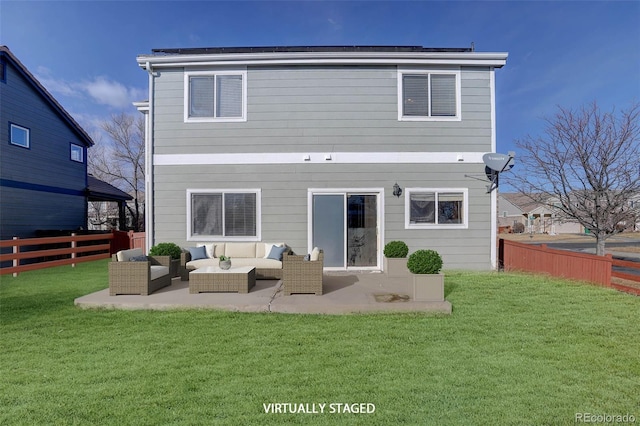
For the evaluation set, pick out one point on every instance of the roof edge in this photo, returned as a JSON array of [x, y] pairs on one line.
[[298, 49], [48, 96], [366, 55]]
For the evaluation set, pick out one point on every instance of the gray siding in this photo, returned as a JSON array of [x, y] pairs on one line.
[[324, 109], [284, 202], [47, 162], [312, 108]]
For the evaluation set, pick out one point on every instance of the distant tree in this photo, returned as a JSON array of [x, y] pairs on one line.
[[120, 161], [586, 166]]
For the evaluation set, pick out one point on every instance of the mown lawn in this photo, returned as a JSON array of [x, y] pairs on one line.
[[517, 349]]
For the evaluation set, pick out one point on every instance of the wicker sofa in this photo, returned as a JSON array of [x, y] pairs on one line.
[[241, 253], [127, 275], [303, 276]]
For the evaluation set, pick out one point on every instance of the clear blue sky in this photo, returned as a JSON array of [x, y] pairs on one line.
[[560, 53]]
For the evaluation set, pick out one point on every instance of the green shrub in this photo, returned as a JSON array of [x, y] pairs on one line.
[[396, 249], [166, 249], [424, 262]]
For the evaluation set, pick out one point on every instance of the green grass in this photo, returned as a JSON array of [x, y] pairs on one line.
[[517, 349]]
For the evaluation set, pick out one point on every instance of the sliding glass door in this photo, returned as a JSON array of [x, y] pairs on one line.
[[345, 226]]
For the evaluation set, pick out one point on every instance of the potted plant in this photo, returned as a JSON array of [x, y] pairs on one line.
[[225, 262], [395, 253], [428, 282], [173, 251]]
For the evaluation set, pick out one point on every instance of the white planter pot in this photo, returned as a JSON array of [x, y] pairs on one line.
[[396, 267], [428, 287]]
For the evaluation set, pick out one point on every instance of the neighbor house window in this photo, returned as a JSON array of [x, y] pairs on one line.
[[436, 208], [215, 96], [77, 153], [428, 95], [3, 72], [19, 136], [223, 215]]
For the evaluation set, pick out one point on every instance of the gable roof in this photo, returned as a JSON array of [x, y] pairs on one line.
[[6, 54], [99, 190], [521, 201]]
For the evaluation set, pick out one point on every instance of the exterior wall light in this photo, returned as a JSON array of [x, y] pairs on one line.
[[397, 191]]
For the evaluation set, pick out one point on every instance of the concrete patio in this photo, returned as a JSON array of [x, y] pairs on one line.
[[343, 293]]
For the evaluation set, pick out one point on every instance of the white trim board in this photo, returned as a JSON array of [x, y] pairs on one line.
[[319, 157]]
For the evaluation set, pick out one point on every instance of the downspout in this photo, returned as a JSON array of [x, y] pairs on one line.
[[493, 213], [148, 166]]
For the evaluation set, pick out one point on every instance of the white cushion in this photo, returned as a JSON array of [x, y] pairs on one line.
[[125, 255], [315, 254], [238, 261], [257, 263], [240, 250], [158, 271]]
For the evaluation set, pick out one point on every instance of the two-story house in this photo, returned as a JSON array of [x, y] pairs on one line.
[[43, 157], [343, 148]]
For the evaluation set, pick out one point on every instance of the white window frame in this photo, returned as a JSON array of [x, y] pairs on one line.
[[403, 72], [187, 99], [209, 238], [79, 149], [465, 208], [26, 130]]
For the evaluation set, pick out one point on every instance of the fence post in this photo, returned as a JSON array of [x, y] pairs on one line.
[[73, 245], [16, 250], [130, 234]]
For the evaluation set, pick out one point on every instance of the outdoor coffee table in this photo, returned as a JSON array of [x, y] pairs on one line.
[[212, 278]]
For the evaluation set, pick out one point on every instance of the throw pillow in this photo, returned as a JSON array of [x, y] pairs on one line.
[[138, 259], [197, 252], [276, 253], [268, 246], [210, 249], [315, 254]]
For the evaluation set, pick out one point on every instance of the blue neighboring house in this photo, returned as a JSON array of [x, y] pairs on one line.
[[43, 157]]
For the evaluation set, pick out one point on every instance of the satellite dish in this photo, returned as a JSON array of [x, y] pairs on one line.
[[498, 162], [495, 164]]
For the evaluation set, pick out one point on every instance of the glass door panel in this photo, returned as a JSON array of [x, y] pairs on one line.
[[362, 230], [328, 228]]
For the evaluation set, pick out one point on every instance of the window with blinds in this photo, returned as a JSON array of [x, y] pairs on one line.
[[429, 95], [435, 208], [222, 214], [215, 96]]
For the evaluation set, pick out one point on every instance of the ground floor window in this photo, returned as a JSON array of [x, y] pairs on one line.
[[223, 214], [436, 208]]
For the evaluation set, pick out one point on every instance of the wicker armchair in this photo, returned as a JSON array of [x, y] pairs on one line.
[[302, 276], [135, 277]]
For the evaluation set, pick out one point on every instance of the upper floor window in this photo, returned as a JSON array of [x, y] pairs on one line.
[[215, 96], [428, 95], [223, 215], [77, 153], [436, 208], [19, 136]]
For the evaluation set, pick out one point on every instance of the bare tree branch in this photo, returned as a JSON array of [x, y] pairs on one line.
[[121, 160], [586, 166]]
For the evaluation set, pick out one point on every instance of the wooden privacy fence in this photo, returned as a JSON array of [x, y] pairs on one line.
[[514, 256], [28, 254]]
